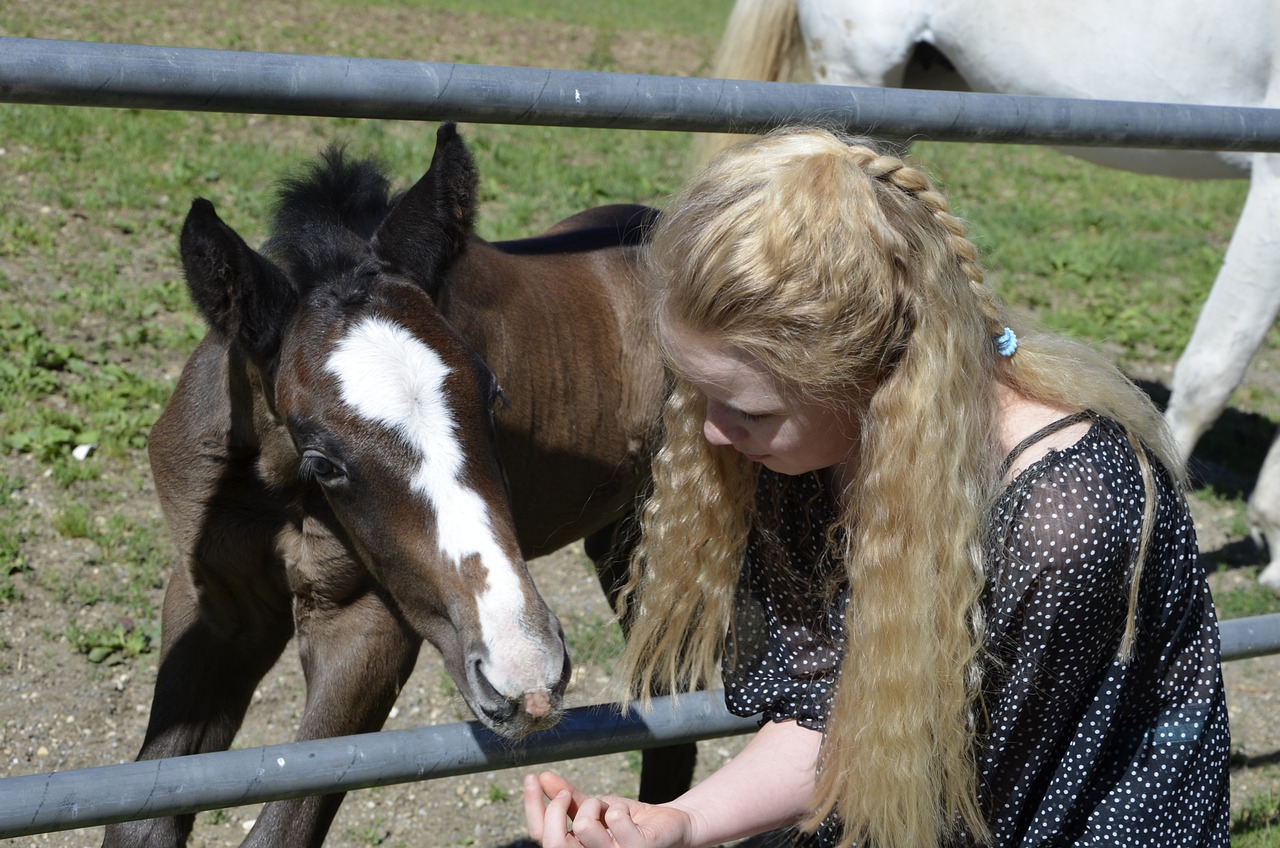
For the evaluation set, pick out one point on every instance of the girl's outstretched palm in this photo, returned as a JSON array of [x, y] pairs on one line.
[[551, 803]]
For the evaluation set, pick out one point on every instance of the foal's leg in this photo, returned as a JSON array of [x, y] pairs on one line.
[[667, 772], [356, 654], [220, 636]]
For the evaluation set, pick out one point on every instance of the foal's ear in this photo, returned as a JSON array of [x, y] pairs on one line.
[[238, 291], [429, 227]]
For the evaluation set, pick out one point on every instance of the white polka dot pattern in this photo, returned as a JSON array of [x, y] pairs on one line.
[[1079, 748]]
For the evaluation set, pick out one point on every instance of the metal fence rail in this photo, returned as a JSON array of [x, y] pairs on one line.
[[42, 803], [71, 799], [72, 73]]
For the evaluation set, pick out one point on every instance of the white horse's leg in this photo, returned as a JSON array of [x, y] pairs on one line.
[[1262, 514], [1241, 308]]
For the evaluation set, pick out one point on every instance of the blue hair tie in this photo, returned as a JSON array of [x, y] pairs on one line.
[[1006, 343]]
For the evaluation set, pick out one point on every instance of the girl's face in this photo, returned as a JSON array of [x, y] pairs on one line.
[[749, 410]]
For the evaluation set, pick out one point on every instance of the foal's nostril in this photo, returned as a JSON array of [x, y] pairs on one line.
[[496, 707]]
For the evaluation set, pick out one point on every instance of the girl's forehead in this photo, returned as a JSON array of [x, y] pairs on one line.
[[720, 370]]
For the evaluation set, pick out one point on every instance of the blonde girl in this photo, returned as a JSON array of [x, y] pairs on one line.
[[939, 553]]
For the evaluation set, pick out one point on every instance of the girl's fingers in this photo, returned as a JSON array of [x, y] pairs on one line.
[[588, 825], [618, 819], [555, 823], [558, 815], [548, 823], [535, 809], [553, 784]]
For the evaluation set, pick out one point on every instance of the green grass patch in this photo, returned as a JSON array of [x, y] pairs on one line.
[[12, 560], [1257, 824], [1098, 254], [1247, 599], [123, 640], [122, 574], [594, 640], [703, 19]]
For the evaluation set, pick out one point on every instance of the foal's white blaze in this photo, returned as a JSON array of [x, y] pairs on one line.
[[389, 376]]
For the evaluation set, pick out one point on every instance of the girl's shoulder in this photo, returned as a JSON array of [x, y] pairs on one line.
[[1086, 502], [1081, 448], [1029, 430]]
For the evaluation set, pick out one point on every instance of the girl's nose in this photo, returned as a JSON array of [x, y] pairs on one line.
[[718, 428]]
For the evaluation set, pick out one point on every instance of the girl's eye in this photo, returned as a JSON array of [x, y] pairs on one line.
[[753, 417]]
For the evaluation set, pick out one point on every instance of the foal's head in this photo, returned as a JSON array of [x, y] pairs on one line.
[[388, 412]]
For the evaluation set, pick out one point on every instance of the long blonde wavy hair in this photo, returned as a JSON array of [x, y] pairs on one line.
[[843, 272]]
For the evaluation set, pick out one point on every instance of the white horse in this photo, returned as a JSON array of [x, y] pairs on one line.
[[1176, 51]]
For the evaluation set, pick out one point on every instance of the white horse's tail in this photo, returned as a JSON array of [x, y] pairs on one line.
[[761, 42]]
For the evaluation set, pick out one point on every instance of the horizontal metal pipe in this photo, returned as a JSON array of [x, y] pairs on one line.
[[95, 796], [1253, 636], [72, 73]]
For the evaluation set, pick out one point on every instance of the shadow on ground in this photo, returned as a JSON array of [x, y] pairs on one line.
[[1226, 461]]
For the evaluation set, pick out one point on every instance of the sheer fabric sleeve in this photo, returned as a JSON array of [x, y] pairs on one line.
[[782, 654], [1081, 748]]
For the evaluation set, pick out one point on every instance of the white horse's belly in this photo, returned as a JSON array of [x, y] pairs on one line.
[[1183, 164], [1177, 51], [1183, 51]]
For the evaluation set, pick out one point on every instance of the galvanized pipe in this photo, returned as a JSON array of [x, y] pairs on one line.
[[94, 796], [71, 73], [1253, 636], [65, 800]]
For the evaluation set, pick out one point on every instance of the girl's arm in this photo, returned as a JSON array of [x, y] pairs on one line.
[[767, 786]]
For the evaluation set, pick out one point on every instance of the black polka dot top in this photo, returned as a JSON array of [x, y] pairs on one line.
[[1079, 748]]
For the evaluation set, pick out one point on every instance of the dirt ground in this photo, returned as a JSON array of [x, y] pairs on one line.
[[58, 711], [61, 712]]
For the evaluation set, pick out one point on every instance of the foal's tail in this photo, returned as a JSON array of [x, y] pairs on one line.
[[761, 42]]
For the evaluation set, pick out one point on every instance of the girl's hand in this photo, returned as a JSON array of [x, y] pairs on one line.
[[607, 822]]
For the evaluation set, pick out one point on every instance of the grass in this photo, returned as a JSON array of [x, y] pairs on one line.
[[698, 19], [1097, 254], [13, 561], [593, 640], [1246, 599], [1257, 825]]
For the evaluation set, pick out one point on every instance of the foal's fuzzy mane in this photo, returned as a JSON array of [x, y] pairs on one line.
[[326, 215]]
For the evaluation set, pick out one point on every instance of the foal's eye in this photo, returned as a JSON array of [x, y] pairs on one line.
[[316, 466]]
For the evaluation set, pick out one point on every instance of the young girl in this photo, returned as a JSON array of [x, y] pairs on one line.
[[947, 563]]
